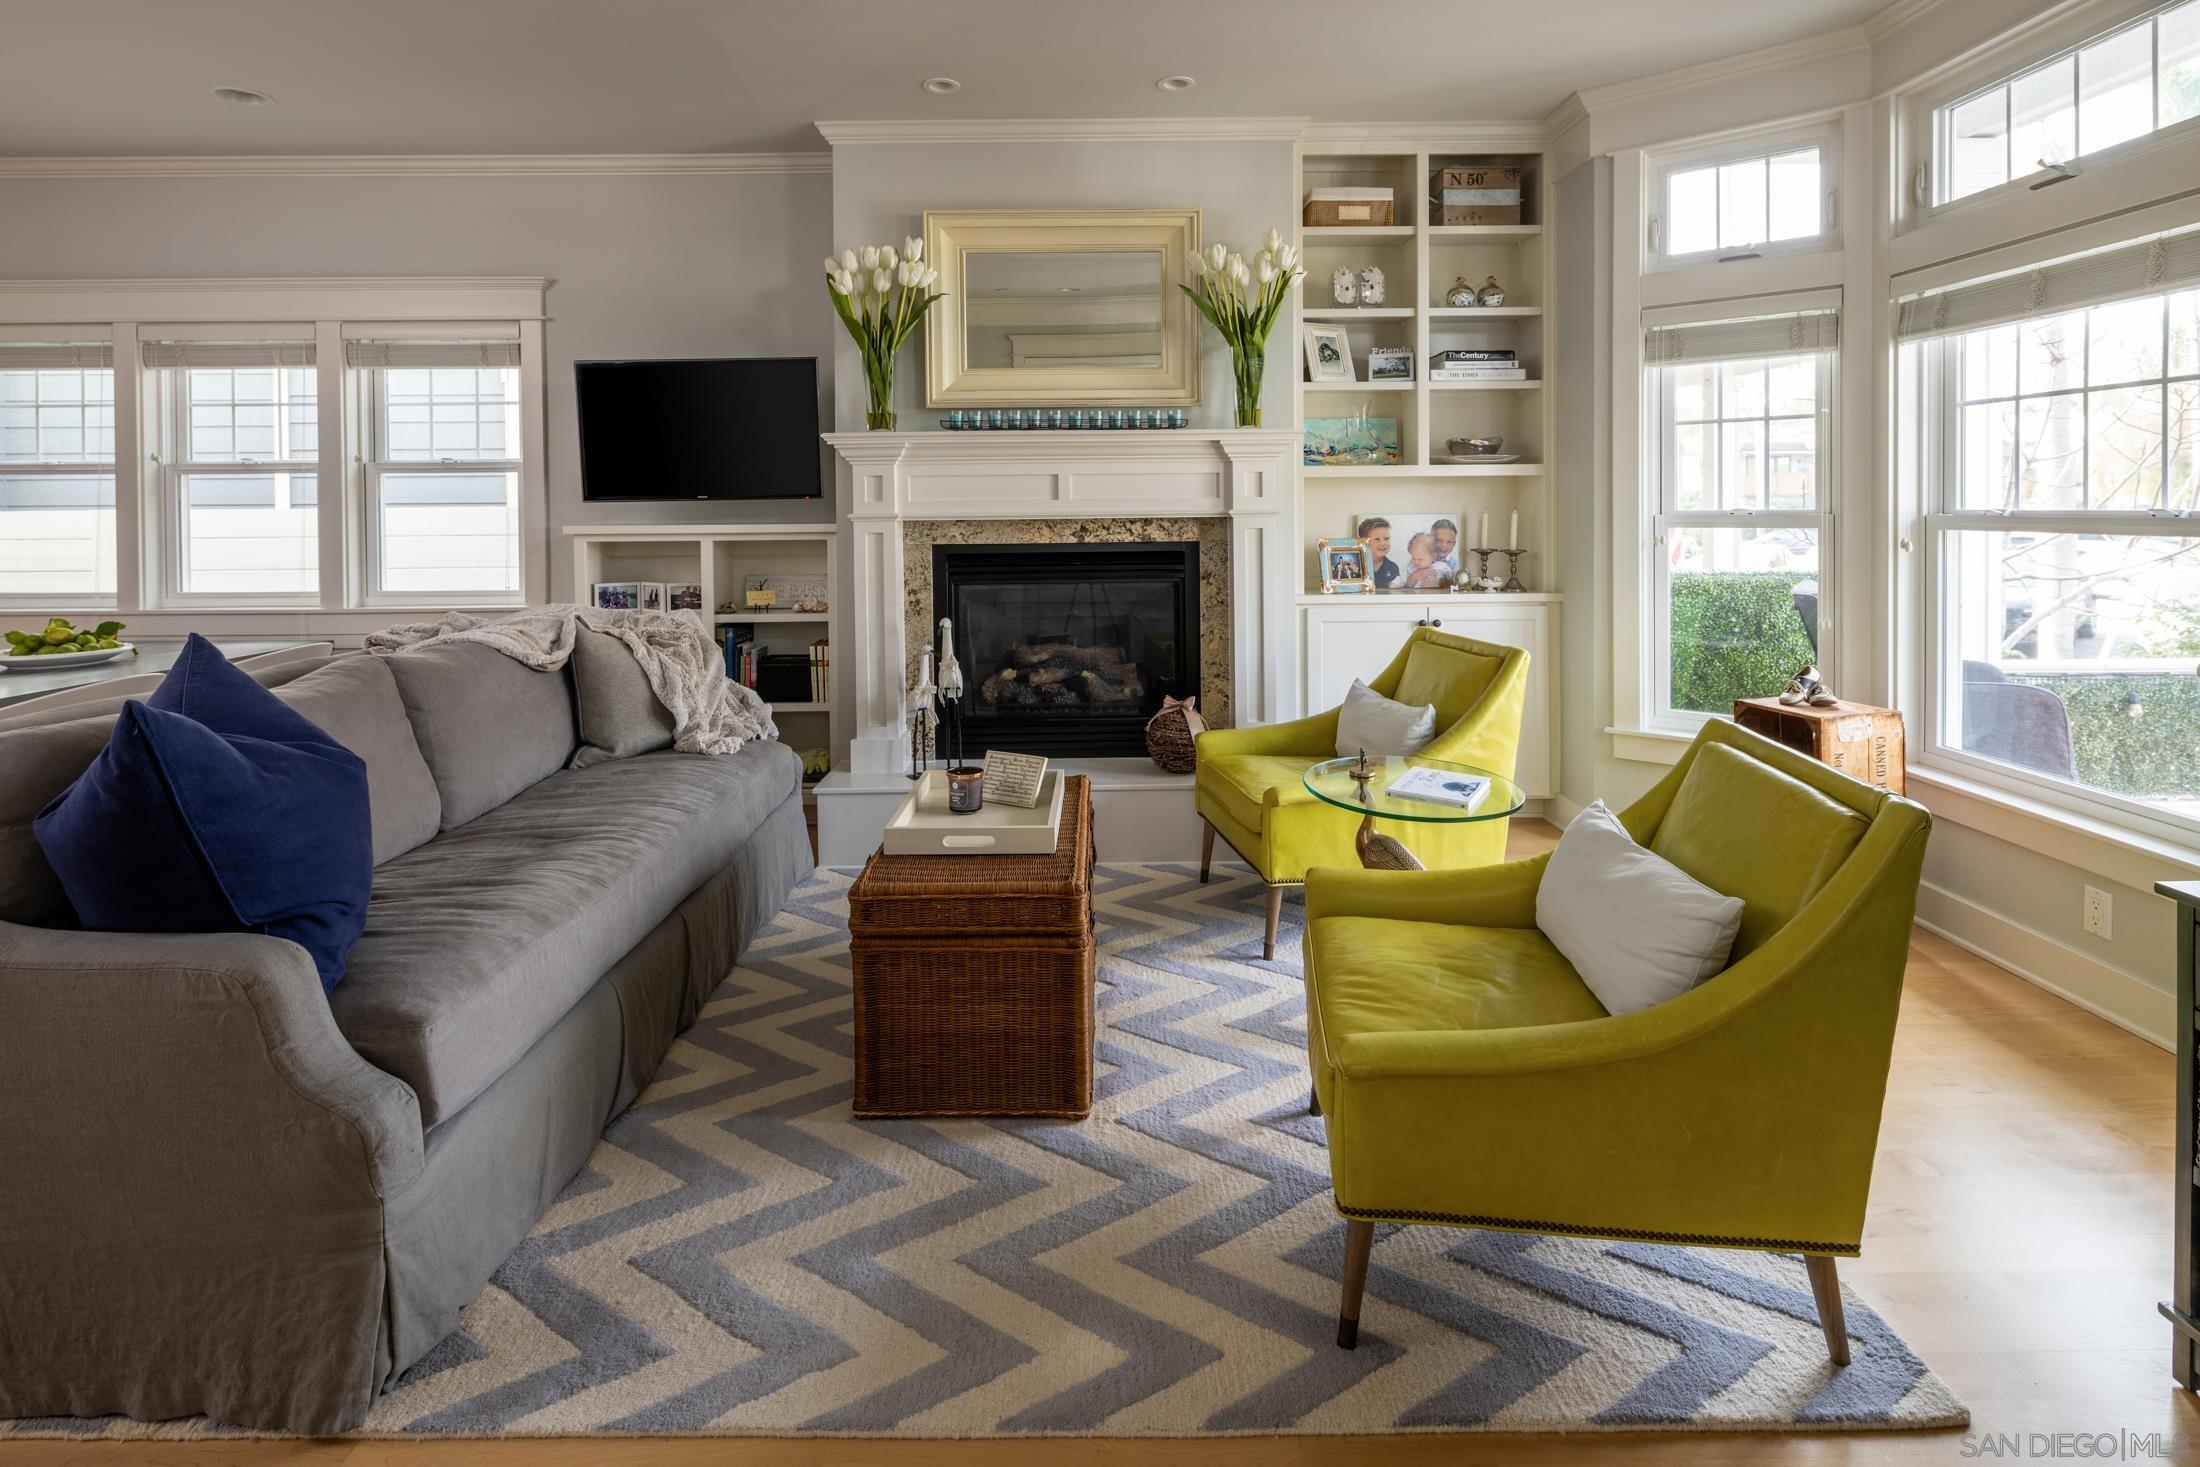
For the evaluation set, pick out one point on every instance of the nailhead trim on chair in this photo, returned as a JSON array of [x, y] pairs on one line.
[[1708, 1240]]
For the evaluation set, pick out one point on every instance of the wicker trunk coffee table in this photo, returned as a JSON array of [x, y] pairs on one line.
[[974, 979]]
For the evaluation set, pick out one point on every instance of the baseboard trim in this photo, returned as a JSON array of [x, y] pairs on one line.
[[2129, 1002]]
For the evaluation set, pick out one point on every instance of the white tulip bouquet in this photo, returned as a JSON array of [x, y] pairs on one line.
[[881, 294], [1242, 302]]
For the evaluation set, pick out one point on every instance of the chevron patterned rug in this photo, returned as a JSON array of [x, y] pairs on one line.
[[740, 1257]]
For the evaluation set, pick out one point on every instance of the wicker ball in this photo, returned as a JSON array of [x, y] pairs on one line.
[[1172, 735]]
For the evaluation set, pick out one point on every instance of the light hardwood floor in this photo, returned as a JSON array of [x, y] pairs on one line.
[[2019, 1237]]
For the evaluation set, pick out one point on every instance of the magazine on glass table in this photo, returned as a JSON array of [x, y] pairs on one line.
[[1441, 787]]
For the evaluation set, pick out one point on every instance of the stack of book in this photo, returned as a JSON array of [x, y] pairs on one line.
[[779, 677], [1477, 366]]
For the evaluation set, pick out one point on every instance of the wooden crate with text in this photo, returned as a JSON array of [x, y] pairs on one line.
[[1855, 738]]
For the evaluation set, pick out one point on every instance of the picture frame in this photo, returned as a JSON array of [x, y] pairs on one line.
[[1344, 565], [683, 595], [616, 595], [1390, 364], [1415, 550], [1328, 353], [649, 596]]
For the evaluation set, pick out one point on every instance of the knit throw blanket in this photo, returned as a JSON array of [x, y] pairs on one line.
[[711, 713]]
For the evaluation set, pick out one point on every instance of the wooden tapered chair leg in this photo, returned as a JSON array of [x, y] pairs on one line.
[[1825, 1287], [1275, 915], [1206, 850], [1359, 1239]]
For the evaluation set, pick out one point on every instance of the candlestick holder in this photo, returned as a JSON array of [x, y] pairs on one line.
[[1476, 582], [1512, 570]]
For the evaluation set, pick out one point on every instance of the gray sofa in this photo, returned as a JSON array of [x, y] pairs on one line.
[[224, 1193]]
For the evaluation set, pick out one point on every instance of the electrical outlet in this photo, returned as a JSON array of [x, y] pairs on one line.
[[2100, 913]]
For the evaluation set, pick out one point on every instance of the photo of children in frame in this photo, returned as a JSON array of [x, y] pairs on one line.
[[1344, 566], [1411, 552]]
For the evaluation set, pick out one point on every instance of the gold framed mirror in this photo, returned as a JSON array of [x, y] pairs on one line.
[[1061, 307]]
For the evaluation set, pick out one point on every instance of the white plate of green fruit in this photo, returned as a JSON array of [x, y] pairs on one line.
[[60, 644]]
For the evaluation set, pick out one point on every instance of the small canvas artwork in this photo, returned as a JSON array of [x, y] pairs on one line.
[[684, 595], [1411, 552], [1358, 439], [618, 595]]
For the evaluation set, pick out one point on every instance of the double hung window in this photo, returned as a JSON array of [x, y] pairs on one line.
[[57, 471]]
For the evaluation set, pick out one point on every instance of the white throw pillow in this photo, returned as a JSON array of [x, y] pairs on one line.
[[1637, 928], [1382, 725]]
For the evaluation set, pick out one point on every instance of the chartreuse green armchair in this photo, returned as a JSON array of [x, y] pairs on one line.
[[1250, 783], [1468, 1077]]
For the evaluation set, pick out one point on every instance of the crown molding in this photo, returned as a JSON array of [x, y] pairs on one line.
[[1842, 42], [425, 165], [1414, 136], [1570, 113], [1883, 23], [1065, 129]]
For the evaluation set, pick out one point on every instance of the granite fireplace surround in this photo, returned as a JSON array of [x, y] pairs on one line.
[[920, 619]]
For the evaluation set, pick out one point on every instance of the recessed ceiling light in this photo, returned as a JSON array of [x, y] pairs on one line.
[[940, 86], [244, 98], [1177, 83], [1069, 290]]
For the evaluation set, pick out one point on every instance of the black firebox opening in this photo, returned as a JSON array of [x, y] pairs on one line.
[[1067, 650]]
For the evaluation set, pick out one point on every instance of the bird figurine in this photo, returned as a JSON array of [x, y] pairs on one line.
[[924, 697], [951, 685]]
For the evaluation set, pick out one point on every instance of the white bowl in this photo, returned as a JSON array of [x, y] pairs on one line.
[[63, 659]]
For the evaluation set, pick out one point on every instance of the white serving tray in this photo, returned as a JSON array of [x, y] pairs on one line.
[[924, 826], [52, 661]]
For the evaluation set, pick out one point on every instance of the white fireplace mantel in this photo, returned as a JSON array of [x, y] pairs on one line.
[[887, 479]]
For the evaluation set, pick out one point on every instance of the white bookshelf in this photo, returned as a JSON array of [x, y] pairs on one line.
[[721, 558], [1345, 636]]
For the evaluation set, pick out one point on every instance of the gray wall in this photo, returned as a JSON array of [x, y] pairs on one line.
[[641, 265], [1243, 189]]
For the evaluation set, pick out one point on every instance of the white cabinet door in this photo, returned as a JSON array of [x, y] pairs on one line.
[[1357, 639]]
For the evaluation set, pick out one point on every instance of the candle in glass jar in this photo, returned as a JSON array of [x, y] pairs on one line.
[[1512, 537], [1485, 537]]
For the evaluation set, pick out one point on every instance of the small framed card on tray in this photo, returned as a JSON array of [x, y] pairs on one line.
[[1013, 779]]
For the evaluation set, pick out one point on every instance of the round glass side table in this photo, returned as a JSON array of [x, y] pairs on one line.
[[1367, 784]]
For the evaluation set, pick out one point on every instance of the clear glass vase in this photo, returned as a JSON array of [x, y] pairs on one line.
[[1247, 368]]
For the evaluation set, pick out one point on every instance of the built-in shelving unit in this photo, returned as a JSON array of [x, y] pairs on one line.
[[722, 559], [1346, 636]]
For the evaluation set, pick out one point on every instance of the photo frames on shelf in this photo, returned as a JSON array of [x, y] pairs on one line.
[[1390, 364], [1328, 354], [1413, 551], [617, 595], [1344, 567]]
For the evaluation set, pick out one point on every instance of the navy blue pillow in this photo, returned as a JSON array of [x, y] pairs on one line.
[[216, 807]]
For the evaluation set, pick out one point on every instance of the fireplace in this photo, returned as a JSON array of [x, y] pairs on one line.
[[1067, 650]]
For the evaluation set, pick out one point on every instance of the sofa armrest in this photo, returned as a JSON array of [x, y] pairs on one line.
[[1480, 896], [200, 1173], [224, 1028]]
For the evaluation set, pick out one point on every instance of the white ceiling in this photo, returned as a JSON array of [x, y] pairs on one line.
[[103, 77]]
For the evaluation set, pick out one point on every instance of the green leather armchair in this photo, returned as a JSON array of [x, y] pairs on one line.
[[1469, 1078], [1250, 782]]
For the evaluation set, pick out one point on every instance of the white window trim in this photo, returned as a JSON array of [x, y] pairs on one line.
[[1662, 716], [170, 411], [1918, 160], [2065, 802], [1823, 135], [131, 310], [53, 470], [374, 467]]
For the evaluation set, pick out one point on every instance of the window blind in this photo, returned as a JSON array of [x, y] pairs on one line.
[[1791, 333], [2144, 267], [228, 353], [431, 354], [66, 356]]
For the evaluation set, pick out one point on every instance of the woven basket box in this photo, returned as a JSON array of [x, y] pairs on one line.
[[974, 979], [1334, 207]]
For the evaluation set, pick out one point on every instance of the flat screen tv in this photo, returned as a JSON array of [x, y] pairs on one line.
[[729, 428]]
